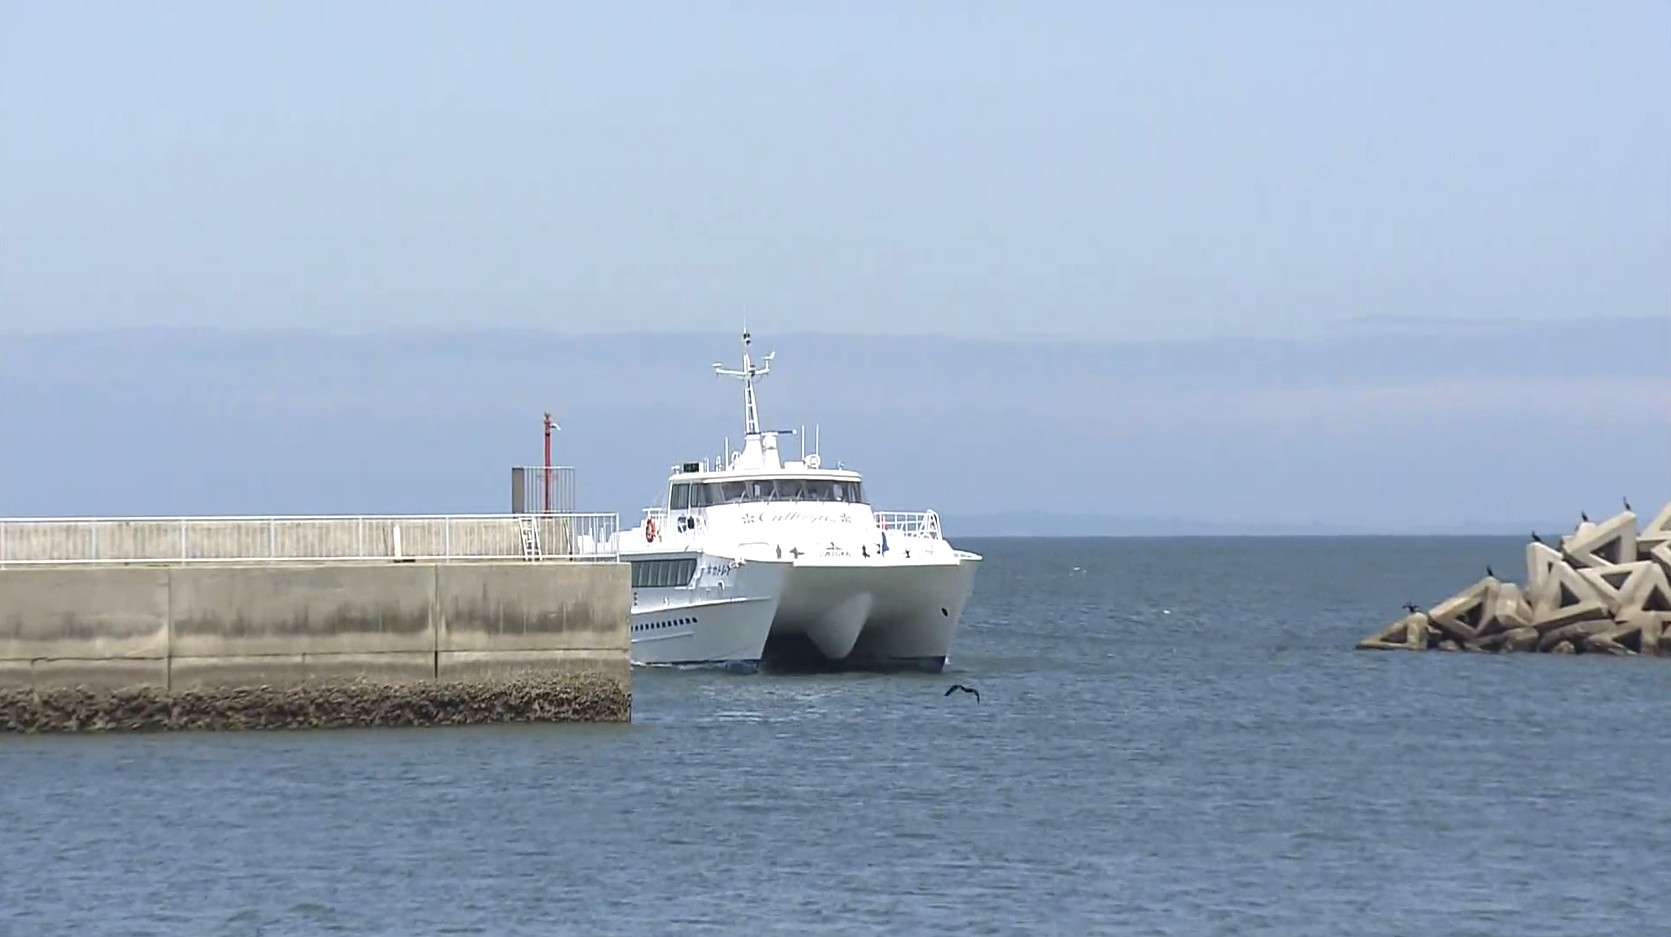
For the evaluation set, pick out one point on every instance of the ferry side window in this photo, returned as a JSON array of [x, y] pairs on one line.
[[681, 497], [735, 491]]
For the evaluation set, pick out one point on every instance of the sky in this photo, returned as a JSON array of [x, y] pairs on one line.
[[1142, 266], [1120, 172], [1389, 429]]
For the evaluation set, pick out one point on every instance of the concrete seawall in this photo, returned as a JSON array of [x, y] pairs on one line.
[[340, 640]]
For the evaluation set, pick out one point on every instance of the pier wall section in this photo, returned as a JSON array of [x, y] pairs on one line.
[[101, 628], [286, 625], [506, 620], [451, 641]]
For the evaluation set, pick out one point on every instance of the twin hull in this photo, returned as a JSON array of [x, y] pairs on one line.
[[862, 613], [877, 614]]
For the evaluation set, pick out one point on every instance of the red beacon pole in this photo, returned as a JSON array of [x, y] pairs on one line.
[[545, 506]]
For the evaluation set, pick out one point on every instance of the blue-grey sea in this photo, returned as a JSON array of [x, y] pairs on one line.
[[1173, 737]]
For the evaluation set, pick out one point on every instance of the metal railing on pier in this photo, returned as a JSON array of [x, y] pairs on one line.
[[302, 539]]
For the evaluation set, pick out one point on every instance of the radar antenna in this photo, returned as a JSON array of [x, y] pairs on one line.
[[749, 373]]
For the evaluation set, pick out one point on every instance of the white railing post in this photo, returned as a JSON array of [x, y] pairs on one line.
[[583, 536]]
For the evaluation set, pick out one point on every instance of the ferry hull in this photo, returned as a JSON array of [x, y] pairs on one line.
[[866, 615], [728, 633], [918, 636], [698, 628]]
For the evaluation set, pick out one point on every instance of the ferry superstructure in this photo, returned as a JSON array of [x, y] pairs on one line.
[[859, 587]]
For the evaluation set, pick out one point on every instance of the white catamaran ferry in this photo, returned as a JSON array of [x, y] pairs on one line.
[[756, 557]]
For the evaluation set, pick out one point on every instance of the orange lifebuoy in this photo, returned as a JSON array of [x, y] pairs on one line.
[[649, 528]]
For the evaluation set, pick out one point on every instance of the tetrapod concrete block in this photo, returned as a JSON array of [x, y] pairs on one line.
[[1608, 543]]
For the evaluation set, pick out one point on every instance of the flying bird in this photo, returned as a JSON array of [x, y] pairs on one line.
[[967, 689]]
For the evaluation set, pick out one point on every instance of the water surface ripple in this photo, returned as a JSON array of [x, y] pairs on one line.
[[1175, 738]]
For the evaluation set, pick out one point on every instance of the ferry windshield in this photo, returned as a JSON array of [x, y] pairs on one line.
[[701, 495]]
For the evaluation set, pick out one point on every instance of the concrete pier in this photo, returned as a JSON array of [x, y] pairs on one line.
[[1604, 588], [160, 638]]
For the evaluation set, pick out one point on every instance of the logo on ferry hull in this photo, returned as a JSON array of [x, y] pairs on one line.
[[778, 517]]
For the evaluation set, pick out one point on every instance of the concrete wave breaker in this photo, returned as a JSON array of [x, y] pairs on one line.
[[1605, 588]]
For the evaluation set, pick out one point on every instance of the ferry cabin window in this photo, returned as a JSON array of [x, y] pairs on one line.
[[661, 574], [681, 497], [773, 489]]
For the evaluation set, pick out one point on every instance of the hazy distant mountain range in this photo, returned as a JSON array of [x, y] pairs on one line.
[[1044, 524], [1398, 427]]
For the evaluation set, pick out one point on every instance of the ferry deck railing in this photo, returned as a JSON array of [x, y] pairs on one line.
[[900, 523], [910, 523], [307, 539]]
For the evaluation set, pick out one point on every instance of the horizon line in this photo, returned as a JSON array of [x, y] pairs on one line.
[[1290, 535]]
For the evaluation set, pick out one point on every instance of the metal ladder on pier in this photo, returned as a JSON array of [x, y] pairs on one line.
[[530, 537]]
